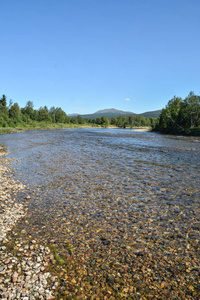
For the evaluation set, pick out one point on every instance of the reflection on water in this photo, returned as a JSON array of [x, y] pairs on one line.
[[119, 189]]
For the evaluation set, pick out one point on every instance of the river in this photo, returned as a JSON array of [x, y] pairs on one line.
[[127, 203]]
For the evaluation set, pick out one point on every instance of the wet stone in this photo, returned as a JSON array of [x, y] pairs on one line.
[[121, 216], [16, 259]]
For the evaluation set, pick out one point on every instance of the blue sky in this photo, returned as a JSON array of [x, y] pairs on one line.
[[87, 55]]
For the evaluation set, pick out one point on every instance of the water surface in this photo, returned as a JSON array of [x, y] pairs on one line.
[[112, 194]]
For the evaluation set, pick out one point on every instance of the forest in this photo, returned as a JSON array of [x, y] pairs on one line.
[[12, 116], [180, 116]]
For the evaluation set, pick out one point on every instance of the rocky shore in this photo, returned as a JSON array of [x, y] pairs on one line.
[[23, 263]]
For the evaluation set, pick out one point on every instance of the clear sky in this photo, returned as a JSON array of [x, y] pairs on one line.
[[87, 55]]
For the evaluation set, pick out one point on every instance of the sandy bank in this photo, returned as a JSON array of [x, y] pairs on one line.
[[142, 129]]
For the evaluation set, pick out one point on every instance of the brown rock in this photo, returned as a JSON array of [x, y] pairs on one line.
[[14, 277]]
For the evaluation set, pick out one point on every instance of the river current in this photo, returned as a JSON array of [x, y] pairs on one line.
[[111, 193]]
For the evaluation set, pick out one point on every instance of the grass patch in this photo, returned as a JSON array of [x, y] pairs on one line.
[[8, 130]]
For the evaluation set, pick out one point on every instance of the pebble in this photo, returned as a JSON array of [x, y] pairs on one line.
[[29, 280], [129, 236]]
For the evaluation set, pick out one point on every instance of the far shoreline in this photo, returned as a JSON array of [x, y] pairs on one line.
[[9, 130]]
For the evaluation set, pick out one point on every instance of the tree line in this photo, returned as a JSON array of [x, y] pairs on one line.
[[180, 116], [124, 121], [12, 116]]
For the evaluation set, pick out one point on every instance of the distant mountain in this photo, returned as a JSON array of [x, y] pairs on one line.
[[152, 114], [73, 115], [109, 113], [112, 112]]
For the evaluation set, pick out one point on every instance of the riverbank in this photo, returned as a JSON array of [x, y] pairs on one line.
[[23, 263], [44, 126], [142, 129], [8, 130], [185, 132]]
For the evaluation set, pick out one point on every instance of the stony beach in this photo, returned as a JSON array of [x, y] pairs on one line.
[[23, 263]]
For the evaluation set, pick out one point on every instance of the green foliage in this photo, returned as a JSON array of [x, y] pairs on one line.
[[113, 120], [4, 120], [98, 121], [29, 111], [3, 107], [180, 116], [15, 114], [104, 121], [3, 101], [52, 112], [192, 109], [80, 120], [43, 115], [60, 116], [73, 120], [130, 121]]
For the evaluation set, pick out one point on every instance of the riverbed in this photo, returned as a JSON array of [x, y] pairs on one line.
[[121, 206]]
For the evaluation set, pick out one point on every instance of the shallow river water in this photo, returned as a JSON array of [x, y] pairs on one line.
[[122, 206]]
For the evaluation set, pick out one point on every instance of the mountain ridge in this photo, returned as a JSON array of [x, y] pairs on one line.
[[112, 112]]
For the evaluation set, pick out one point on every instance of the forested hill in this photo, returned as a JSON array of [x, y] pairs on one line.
[[108, 113], [111, 113], [151, 114]]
